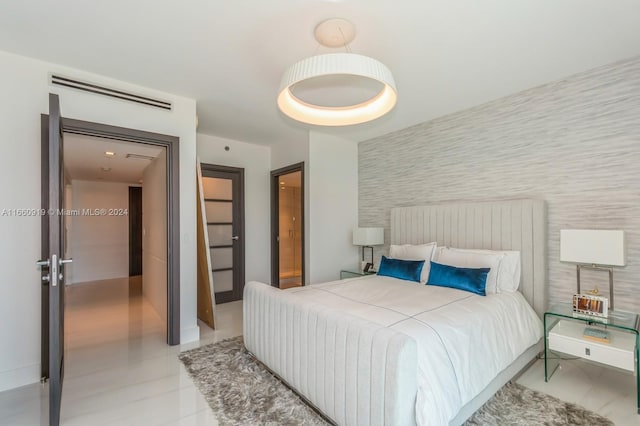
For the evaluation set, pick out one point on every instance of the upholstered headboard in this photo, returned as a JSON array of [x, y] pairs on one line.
[[506, 225]]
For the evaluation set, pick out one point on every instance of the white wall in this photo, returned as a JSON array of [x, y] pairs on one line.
[[286, 153], [99, 244], [331, 201], [255, 159], [333, 206], [154, 234], [25, 89]]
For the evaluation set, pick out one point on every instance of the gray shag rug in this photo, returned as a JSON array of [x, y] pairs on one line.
[[243, 392]]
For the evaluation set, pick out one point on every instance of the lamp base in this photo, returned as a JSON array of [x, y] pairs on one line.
[[597, 268], [363, 264]]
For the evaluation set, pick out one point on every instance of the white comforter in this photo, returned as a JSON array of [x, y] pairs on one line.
[[464, 340]]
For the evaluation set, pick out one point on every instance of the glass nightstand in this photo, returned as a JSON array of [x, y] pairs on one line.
[[564, 334], [344, 274]]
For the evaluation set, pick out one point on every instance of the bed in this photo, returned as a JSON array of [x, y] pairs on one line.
[[378, 350]]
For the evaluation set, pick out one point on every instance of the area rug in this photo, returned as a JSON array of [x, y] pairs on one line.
[[241, 391]]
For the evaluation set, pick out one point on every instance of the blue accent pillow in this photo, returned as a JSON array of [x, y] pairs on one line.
[[409, 270], [473, 280]]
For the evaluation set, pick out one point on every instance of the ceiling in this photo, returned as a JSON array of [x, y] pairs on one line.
[[84, 159], [446, 55]]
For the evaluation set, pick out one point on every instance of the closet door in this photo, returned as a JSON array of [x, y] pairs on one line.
[[223, 189]]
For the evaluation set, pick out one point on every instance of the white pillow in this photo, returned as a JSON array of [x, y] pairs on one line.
[[509, 270], [415, 252], [471, 259]]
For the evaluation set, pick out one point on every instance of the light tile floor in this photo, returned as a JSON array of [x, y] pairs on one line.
[[120, 371], [609, 392]]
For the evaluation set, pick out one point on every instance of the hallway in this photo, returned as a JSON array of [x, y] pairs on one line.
[[119, 369]]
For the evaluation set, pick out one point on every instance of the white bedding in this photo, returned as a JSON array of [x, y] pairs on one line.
[[463, 340]]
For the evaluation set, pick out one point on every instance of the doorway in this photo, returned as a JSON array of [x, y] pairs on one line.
[[135, 231], [54, 265], [106, 233], [223, 189], [104, 195], [287, 226], [169, 144]]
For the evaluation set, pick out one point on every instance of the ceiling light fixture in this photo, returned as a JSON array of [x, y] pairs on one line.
[[109, 153], [309, 88]]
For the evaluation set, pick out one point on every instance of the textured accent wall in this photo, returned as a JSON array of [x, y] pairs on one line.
[[574, 143]]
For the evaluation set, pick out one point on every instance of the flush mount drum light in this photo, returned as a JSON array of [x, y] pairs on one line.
[[337, 89]]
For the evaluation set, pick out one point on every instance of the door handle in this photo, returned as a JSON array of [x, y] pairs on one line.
[[235, 238], [63, 262], [46, 263], [54, 276]]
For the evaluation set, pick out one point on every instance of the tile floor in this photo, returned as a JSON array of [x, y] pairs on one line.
[[609, 392], [119, 370]]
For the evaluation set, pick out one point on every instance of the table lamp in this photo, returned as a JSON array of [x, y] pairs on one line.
[[367, 238], [593, 249]]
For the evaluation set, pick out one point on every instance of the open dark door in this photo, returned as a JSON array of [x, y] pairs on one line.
[[52, 264], [223, 189], [287, 226]]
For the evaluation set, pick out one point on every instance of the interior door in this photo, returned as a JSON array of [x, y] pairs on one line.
[[52, 264], [223, 189], [135, 231], [287, 226]]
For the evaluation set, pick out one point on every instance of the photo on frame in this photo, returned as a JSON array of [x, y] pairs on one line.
[[591, 305]]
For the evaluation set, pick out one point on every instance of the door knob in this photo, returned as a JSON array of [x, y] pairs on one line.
[[235, 238]]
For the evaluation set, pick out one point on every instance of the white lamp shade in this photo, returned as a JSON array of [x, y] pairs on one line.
[[368, 236], [598, 247]]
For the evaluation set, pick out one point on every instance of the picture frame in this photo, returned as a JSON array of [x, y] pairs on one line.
[[588, 304]]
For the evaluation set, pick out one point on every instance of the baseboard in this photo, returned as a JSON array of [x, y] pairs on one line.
[[190, 334], [19, 377]]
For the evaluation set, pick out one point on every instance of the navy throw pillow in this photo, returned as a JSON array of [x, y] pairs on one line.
[[409, 270], [473, 280]]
